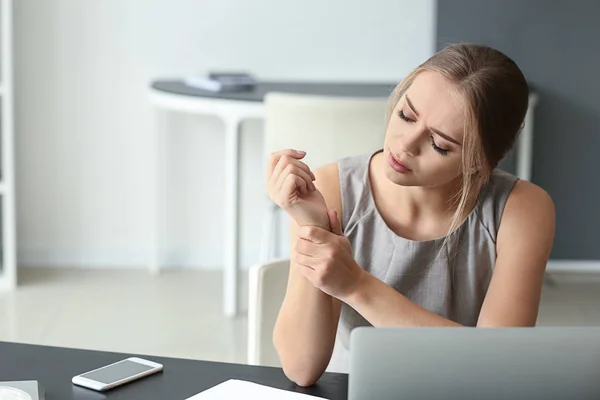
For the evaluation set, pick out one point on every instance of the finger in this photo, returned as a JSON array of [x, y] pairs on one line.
[[292, 169], [276, 173], [283, 162], [334, 223], [291, 184], [307, 272], [274, 157], [307, 248], [276, 177], [306, 261], [314, 233], [298, 170], [302, 166]]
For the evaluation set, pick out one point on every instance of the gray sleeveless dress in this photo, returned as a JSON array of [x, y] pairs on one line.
[[451, 283]]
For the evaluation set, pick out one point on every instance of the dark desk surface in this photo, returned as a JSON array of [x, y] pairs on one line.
[[376, 90], [53, 368]]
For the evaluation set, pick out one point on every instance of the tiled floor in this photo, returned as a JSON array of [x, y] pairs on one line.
[[179, 313], [570, 299]]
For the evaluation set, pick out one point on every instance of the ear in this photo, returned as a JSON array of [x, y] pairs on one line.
[[473, 171]]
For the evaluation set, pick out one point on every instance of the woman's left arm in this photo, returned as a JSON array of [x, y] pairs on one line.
[[523, 247]]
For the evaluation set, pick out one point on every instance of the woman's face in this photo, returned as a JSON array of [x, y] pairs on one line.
[[423, 141]]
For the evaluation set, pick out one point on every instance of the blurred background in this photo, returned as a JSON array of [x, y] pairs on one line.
[[77, 268]]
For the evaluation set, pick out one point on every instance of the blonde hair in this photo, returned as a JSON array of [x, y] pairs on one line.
[[496, 95]]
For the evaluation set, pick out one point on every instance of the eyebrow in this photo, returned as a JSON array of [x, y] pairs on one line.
[[448, 138], [437, 132], [410, 104]]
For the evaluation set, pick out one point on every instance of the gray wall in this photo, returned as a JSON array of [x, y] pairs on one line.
[[557, 45]]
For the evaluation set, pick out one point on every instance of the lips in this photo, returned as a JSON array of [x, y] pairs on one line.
[[397, 165]]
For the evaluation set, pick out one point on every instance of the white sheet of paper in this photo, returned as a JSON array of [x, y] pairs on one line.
[[234, 389]]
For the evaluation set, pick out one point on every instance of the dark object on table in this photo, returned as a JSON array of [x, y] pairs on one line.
[[223, 82]]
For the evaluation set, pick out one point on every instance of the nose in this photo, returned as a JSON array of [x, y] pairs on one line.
[[410, 142]]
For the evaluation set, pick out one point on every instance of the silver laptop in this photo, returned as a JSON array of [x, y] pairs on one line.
[[475, 363]]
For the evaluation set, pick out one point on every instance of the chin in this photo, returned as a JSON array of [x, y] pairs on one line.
[[399, 179]]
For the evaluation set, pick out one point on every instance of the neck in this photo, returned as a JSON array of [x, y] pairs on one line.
[[423, 202]]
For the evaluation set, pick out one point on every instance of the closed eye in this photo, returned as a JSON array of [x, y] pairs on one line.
[[437, 148], [403, 116]]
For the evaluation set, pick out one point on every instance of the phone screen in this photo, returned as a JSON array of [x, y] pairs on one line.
[[113, 373]]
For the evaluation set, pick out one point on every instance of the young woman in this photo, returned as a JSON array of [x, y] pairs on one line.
[[426, 231]]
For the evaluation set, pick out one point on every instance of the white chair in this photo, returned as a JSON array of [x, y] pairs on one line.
[[267, 285], [327, 128]]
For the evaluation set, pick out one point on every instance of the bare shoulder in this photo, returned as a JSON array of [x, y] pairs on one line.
[[531, 198], [529, 214], [327, 181]]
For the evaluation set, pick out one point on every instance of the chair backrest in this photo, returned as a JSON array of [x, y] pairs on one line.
[[328, 128], [267, 285]]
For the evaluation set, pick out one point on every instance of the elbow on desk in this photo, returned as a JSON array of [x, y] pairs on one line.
[[302, 371], [301, 374]]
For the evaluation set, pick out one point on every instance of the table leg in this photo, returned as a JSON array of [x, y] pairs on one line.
[[156, 193], [230, 275]]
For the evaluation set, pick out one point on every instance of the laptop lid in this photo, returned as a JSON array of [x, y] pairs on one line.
[[475, 363]]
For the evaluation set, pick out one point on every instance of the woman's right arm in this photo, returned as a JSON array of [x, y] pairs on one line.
[[306, 326]]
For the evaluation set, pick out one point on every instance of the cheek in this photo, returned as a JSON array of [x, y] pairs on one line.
[[393, 129], [443, 167]]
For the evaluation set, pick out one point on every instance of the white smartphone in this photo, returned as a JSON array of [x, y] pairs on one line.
[[117, 374]]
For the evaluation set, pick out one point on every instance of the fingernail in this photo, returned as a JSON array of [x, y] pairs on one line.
[[300, 152], [313, 176]]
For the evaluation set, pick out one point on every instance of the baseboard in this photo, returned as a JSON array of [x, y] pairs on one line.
[[58, 258], [203, 259], [573, 266]]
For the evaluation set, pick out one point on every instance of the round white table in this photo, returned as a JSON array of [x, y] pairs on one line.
[[235, 107]]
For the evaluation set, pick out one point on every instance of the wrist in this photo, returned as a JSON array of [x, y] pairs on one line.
[[317, 223], [357, 292], [304, 219]]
